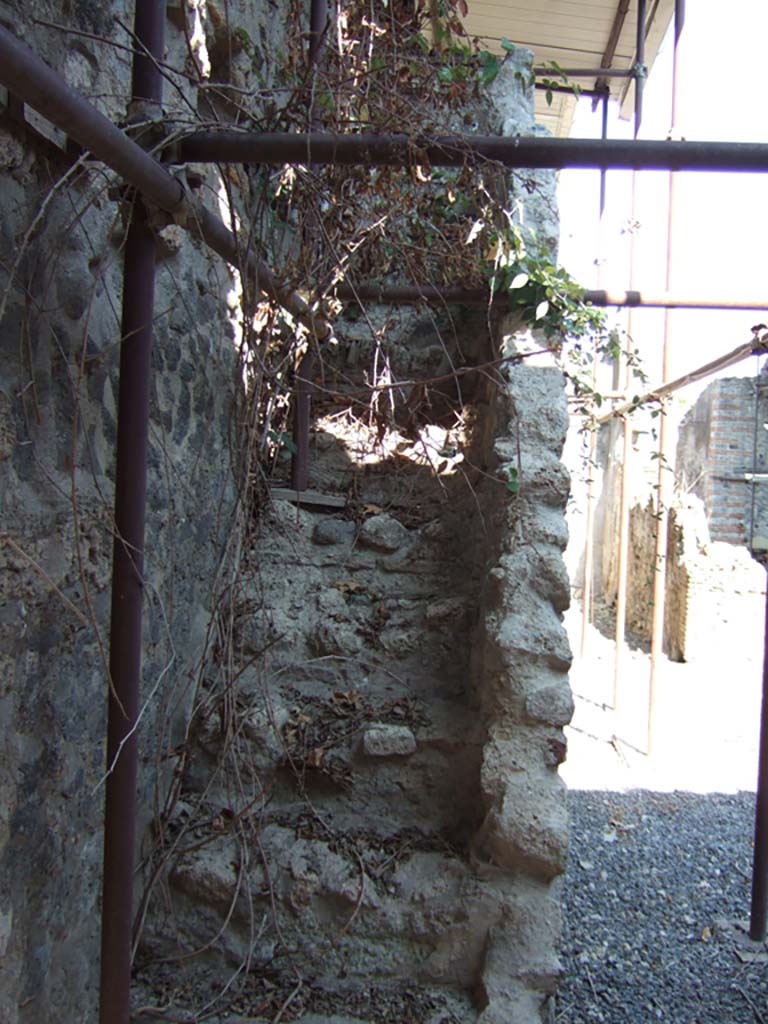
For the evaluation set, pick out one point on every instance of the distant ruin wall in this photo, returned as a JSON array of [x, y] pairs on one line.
[[719, 491], [716, 452], [640, 581]]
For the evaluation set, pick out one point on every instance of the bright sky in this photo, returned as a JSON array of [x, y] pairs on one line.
[[721, 236]]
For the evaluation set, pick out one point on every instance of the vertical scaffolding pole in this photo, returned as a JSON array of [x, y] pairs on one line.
[[759, 910], [302, 401], [623, 551], [589, 543], [640, 71], [662, 512], [128, 561], [589, 526]]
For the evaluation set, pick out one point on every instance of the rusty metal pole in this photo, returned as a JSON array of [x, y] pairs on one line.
[[302, 400], [662, 510], [128, 561], [318, 24], [415, 294], [603, 181], [589, 545], [302, 410], [589, 524], [623, 561], [402, 150], [640, 70], [759, 908], [33, 82], [622, 565]]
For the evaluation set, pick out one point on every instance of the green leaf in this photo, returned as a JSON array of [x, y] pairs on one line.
[[506, 45], [513, 481], [548, 96], [558, 70], [283, 439], [489, 67]]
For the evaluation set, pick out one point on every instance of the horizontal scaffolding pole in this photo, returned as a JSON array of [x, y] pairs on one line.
[[457, 150], [31, 80], [457, 295], [598, 93], [758, 346], [543, 71], [635, 298]]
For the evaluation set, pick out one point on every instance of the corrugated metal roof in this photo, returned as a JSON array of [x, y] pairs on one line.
[[574, 35]]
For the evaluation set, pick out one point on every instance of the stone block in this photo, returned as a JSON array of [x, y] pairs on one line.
[[383, 533], [528, 831], [334, 531], [550, 579], [209, 875], [555, 749], [535, 629], [551, 704], [334, 632], [388, 741], [170, 241], [445, 611]]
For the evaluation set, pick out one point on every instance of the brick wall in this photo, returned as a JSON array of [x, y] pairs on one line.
[[716, 451]]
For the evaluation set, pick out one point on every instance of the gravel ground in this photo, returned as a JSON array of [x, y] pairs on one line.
[[659, 878], [656, 884]]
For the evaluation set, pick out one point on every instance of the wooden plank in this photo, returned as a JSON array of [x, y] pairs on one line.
[[594, 9], [563, 23], [311, 498], [537, 32]]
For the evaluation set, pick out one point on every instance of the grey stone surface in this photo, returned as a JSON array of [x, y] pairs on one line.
[[334, 531], [529, 830], [335, 632], [383, 533], [388, 741], [551, 704], [446, 611], [57, 448]]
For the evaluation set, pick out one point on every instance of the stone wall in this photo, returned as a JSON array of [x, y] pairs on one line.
[[349, 791], [391, 757], [714, 502], [60, 295], [371, 826], [715, 451], [640, 581]]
